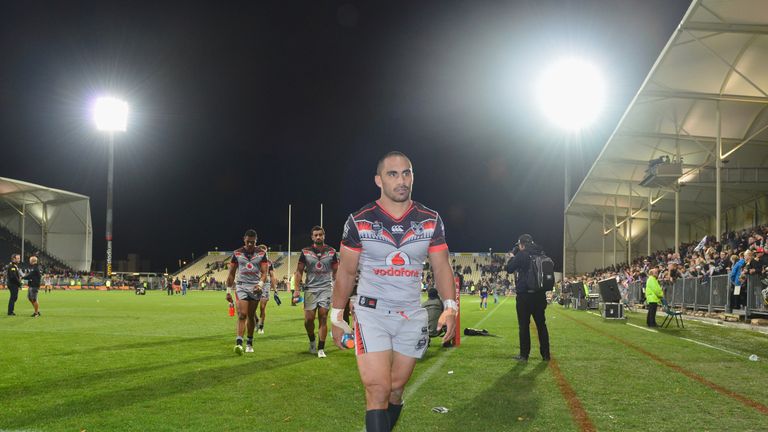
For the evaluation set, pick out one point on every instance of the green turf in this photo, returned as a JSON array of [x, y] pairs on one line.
[[113, 361]]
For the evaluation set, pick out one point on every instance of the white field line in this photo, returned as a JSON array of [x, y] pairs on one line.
[[693, 341], [643, 328], [411, 389], [714, 347]]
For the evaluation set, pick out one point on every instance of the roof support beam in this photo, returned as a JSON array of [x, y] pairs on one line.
[[726, 28]]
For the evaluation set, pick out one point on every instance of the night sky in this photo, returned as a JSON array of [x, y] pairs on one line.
[[241, 108]]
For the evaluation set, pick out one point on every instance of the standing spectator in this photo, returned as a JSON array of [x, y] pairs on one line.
[[13, 282], [184, 285], [736, 281], [34, 277]]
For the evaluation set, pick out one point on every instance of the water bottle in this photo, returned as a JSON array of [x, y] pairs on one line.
[[348, 340], [231, 309]]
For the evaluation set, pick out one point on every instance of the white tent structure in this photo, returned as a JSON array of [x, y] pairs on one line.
[[55, 221], [704, 104]]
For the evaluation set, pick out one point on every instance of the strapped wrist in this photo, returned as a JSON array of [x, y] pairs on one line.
[[451, 304]]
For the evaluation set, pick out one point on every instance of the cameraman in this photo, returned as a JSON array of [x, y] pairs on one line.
[[530, 301]]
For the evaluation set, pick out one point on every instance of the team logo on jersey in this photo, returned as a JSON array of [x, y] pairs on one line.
[[419, 231], [397, 229], [377, 228], [417, 228], [398, 258]]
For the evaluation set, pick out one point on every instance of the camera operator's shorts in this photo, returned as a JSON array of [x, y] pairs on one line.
[[247, 292], [32, 293], [316, 299], [405, 332]]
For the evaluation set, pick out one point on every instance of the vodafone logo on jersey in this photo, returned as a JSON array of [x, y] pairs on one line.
[[249, 266], [398, 258], [395, 260]]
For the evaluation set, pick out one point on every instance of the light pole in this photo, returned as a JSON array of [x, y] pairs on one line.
[[570, 93], [110, 115]]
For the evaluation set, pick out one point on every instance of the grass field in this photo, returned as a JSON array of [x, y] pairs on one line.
[[113, 361]]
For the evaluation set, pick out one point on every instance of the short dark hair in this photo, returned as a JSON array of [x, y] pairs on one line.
[[432, 293], [15, 255], [393, 153], [250, 233], [525, 239], [317, 228]]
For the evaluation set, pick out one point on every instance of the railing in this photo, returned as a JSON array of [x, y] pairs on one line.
[[711, 294]]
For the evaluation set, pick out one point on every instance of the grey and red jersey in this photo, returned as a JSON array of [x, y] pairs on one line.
[[318, 265], [248, 267], [393, 250]]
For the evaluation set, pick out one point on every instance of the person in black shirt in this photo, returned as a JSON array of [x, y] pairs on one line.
[[530, 300], [13, 281], [34, 276]]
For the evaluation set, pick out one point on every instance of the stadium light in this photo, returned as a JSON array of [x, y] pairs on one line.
[[571, 93], [110, 115]]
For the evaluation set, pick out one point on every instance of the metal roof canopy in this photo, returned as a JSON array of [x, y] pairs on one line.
[[56, 221], [705, 102]]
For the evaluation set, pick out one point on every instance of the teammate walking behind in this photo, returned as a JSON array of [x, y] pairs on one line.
[[388, 241], [247, 270], [320, 262]]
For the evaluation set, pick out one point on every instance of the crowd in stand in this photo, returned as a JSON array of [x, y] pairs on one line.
[[737, 254]]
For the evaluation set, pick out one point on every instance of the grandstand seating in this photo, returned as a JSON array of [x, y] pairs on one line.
[[11, 243]]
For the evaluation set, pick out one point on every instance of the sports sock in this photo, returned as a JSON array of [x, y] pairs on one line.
[[377, 421], [312, 338], [321, 345], [239, 340], [250, 340], [393, 411], [261, 326]]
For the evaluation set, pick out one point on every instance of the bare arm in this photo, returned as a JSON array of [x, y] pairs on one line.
[[298, 276], [345, 283], [441, 268], [231, 275], [231, 280]]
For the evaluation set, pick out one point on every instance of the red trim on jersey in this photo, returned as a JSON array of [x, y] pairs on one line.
[[352, 249], [437, 248], [363, 211], [431, 213], [394, 219]]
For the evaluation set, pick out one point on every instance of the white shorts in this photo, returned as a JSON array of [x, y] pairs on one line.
[[405, 332], [245, 292]]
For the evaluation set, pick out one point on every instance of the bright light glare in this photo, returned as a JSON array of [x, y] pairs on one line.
[[571, 93], [110, 114]]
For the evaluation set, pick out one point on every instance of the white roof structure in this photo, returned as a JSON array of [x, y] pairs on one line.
[[704, 103], [56, 221]]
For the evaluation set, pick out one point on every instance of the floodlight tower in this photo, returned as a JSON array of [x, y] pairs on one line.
[[110, 115], [570, 93]]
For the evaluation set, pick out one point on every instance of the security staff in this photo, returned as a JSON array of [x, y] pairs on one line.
[[653, 296], [13, 281], [530, 300]]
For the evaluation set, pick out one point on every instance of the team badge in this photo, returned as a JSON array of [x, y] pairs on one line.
[[377, 227]]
